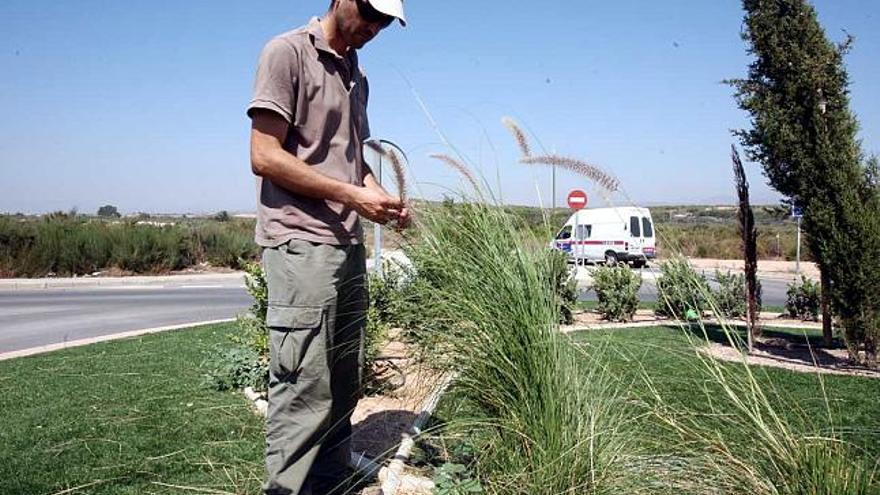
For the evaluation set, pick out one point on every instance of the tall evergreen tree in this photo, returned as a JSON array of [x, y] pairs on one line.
[[749, 234], [804, 135]]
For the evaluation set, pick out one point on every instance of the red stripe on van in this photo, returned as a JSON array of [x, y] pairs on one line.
[[600, 243]]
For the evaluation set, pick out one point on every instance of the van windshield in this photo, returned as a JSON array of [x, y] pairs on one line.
[[565, 233], [647, 227]]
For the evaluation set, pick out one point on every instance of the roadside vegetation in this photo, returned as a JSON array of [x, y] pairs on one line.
[[68, 244]]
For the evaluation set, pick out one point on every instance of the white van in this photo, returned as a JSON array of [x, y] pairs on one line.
[[611, 235]]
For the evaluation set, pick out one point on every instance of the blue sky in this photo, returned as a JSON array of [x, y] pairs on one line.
[[141, 104]]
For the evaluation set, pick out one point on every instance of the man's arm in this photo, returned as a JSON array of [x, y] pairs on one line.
[[271, 161]]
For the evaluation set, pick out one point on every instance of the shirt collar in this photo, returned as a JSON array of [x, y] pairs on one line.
[[316, 35]]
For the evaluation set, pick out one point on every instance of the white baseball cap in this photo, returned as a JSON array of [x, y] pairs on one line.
[[394, 8]]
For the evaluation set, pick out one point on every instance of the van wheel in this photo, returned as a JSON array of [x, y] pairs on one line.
[[639, 263], [610, 258]]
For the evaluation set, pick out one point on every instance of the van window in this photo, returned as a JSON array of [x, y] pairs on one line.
[[634, 229], [584, 231], [565, 233], [647, 227]]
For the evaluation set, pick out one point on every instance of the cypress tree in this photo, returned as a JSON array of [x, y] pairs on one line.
[[804, 134]]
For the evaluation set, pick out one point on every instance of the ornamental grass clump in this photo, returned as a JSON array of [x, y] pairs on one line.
[[548, 418]]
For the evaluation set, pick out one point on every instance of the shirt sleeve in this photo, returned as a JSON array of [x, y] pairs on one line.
[[276, 82]]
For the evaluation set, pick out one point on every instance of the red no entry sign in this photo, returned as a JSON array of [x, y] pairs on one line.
[[577, 200]]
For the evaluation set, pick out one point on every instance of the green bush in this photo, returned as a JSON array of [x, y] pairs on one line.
[[681, 291], [245, 363], [803, 299], [236, 367], [617, 288], [730, 298], [67, 244]]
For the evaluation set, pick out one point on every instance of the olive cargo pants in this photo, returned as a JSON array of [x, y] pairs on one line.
[[316, 318]]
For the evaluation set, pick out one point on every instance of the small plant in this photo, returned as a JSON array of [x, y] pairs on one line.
[[730, 297], [681, 291], [454, 479], [236, 367], [246, 362], [803, 299], [617, 288]]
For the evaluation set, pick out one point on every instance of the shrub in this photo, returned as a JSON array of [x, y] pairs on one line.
[[617, 288], [680, 290], [803, 299], [245, 363], [67, 244], [236, 367], [729, 297]]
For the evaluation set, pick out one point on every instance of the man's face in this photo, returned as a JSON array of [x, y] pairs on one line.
[[359, 22]]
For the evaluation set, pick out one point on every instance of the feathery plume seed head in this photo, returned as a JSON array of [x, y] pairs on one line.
[[458, 166], [519, 135], [580, 167], [399, 174], [375, 146], [396, 165]]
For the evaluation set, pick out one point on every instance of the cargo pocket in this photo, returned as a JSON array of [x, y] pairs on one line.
[[298, 342]]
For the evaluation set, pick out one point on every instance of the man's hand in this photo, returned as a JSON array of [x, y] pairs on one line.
[[404, 219], [375, 204]]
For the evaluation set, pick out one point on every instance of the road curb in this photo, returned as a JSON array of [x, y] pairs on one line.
[[104, 338], [146, 281]]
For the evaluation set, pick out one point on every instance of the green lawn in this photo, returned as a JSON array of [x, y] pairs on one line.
[[667, 358], [126, 417], [132, 416]]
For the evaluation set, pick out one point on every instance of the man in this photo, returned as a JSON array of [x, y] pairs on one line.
[[309, 123]]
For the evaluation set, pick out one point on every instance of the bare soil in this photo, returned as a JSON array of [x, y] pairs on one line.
[[798, 358], [380, 420]]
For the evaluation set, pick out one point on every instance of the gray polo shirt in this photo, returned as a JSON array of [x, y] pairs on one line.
[[324, 98]]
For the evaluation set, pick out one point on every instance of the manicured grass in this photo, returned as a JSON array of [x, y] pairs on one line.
[[126, 417]]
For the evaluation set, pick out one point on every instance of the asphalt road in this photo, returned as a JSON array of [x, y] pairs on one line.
[[36, 317], [32, 318], [773, 291]]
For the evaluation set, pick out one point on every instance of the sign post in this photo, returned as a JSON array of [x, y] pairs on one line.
[[577, 200], [798, 213]]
